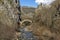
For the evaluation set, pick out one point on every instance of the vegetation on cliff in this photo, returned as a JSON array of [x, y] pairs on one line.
[[7, 20]]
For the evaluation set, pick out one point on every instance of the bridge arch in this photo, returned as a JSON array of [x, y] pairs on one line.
[[26, 22]]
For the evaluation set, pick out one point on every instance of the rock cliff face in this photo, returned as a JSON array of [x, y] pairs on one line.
[[8, 19]]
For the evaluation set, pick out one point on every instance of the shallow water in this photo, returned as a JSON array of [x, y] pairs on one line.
[[26, 35]]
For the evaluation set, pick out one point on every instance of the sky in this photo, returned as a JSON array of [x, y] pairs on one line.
[[34, 3], [28, 3]]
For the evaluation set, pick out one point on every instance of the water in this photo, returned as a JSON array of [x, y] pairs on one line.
[[26, 35]]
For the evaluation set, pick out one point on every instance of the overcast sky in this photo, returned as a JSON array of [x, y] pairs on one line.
[[34, 3]]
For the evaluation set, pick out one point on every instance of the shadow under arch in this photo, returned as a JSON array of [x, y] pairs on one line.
[[26, 22]]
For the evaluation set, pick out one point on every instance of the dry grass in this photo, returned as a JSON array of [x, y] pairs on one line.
[[44, 32], [7, 32]]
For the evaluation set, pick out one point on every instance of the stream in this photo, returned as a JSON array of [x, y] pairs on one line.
[[26, 35]]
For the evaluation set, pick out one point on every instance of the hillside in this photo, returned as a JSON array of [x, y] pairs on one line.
[[27, 9], [27, 12]]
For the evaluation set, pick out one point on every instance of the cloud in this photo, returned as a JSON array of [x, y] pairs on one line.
[[44, 1]]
